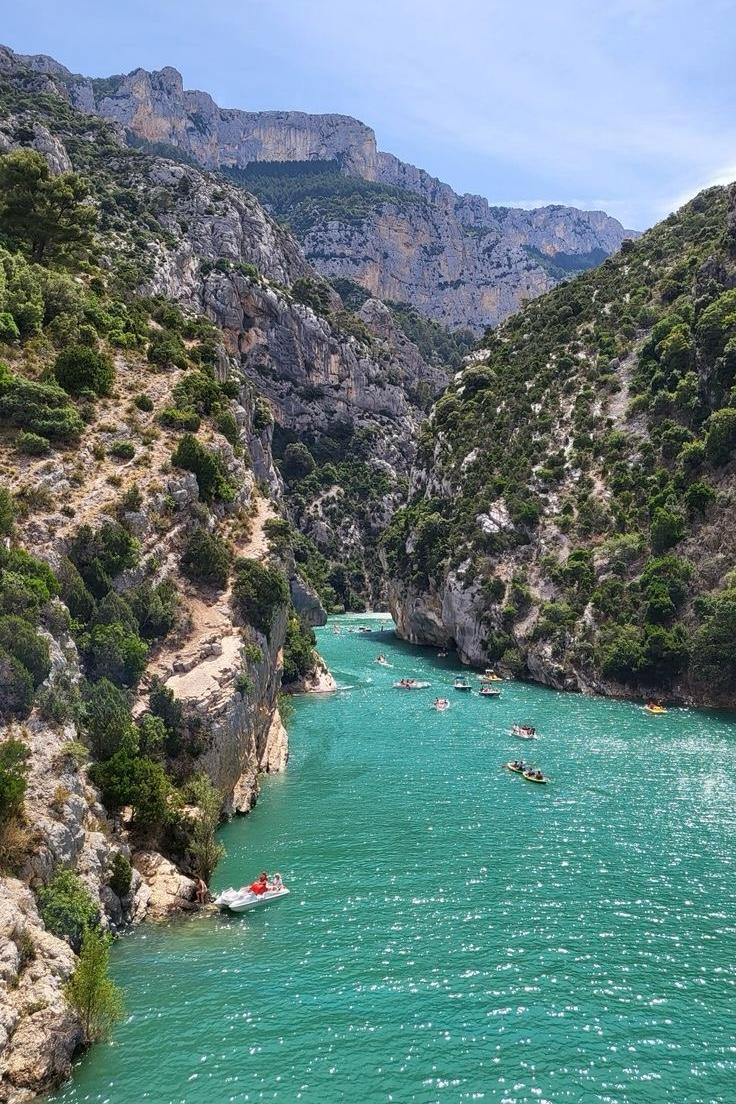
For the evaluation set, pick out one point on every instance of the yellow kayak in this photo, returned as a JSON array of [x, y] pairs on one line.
[[490, 678], [655, 709], [539, 781]]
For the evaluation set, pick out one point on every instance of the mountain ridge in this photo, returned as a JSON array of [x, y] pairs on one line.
[[457, 258]]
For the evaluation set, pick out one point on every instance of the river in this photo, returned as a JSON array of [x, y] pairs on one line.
[[453, 933]]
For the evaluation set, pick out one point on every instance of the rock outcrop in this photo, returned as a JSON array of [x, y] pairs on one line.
[[454, 257]]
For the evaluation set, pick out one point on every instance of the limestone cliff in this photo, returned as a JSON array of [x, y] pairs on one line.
[[454, 257]]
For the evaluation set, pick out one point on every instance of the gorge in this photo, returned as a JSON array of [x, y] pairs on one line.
[[217, 429]]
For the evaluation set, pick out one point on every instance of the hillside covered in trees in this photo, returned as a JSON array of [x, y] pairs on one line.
[[571, 512]]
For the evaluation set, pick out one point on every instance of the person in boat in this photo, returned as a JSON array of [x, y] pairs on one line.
[[260, 886], [277, 884]]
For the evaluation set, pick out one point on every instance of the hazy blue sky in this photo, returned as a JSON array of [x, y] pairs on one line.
[[625, 105]]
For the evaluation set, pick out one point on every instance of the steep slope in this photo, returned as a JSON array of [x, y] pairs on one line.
[[571, 512], [402, 234], [157, 330]]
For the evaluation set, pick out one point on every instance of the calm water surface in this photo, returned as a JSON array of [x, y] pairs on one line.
[[454, 933]]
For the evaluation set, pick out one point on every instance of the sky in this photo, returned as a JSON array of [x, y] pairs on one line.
[[625, 106]]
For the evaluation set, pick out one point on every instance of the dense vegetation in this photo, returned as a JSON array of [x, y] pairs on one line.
[[305, 193], [580, 478]]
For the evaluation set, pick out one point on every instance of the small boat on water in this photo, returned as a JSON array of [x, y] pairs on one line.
[[489, 675], [486, 692], [654, 709], [535, 776], [524, 732], [411, 684], [440, 704], [516, 767], [461, 683], [442, 655], [381, 659], [244, 900]]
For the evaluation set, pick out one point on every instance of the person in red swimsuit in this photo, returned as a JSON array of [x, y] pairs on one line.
[[260, 885]]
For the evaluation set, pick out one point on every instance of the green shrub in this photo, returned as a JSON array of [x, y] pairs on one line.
[[99, 555], [121, 874], [16, 699], [67, 908], [258, 592], [166, 350], [667, 529], [40, 408], [144, 403], [107, 720], [14, 756], [32, 444], [123, 450], [298, 650], [197, 391], [78, 599], [209, 469], [714, 644], [7, 512], [262, 416], [621, 652], [152, 736], [115, 652], [298, 462], [155, 608], [141, 783], [721, 437], [19, 639], [206, 559], [90, 991], [182, 420], [80, 368], [228, 427]]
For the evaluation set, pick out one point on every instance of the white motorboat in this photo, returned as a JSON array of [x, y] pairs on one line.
[[461, 683], [524, 732], [243, 900]]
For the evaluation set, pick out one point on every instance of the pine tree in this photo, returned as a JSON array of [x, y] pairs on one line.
[[90, 991]]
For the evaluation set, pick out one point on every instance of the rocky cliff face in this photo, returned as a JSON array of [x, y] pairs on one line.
[[454, 257], [571, 512]]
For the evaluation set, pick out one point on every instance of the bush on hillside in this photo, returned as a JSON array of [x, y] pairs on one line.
[[40, 408], [114, 652], [107, 719], [258, 592], [14, 756], [19, 639], [206, 559], [81, 368], [67, 908], [16, 699], [212, 478], [721, 438]]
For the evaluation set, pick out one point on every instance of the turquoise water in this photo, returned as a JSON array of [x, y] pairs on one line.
[[454, 933]]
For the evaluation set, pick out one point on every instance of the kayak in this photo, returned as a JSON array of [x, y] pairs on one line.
[[490, 678], [412, 685], [242, 900], [511, 767], [655, 710], [531, 778]]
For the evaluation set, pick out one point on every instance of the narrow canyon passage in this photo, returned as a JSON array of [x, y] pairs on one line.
[[453, 933]]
